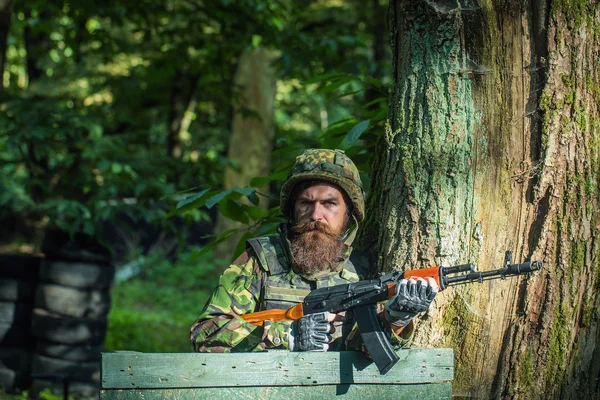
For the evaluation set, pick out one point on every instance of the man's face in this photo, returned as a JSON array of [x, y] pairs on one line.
[[320, 220], [322, 202]]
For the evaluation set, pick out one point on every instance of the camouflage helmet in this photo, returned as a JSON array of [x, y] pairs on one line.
[[325, 165]]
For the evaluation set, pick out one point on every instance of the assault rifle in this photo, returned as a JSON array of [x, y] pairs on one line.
[[361, 297]]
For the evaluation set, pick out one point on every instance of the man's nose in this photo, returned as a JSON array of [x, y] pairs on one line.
[[317, 212]]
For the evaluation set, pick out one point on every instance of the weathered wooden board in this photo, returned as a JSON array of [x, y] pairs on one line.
[[131, 370], [436, 391]]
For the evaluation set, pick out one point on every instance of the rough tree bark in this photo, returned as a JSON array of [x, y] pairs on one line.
[[493, 144], [252, 132]]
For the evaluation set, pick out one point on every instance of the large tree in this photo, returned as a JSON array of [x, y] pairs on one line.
[[493, 144]]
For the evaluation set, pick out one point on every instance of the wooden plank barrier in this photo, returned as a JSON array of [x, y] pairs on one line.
[[420, 373]]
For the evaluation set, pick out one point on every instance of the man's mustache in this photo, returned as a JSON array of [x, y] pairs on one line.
[[312, 226]]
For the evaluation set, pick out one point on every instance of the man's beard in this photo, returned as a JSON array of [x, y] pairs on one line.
[[316, 247]]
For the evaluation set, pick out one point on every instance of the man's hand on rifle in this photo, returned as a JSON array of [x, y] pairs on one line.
[[413, 296], [312, 332]]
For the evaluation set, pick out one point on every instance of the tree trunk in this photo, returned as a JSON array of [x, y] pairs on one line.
[[493, 144], [379, 35], [182, 103], [6, 7], [37, 42], [252, 133]]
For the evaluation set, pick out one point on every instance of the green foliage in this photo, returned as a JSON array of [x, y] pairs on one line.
[[14, 396], [121, 109], [45, 394], [93, 96], [154, 312], [355, 134]]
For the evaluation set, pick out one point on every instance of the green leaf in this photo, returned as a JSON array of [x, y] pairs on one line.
[[377, 101], [129, 171], [256, 39], [373, 81], [266, 229], [260, 181], [354, 134], [179, 192], [246, 191], [253, 197], [324, 77], [116, 168], [278, 175], [217, 198], [196, 200], [334, 85], [339, 127], [382, 115], [232, 210], [230, 193], [256, 213], [350, 93]]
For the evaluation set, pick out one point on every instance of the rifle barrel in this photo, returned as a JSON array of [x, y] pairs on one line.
[[508, 270]]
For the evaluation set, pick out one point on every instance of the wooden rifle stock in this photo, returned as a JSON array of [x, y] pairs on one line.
[[257, 318]]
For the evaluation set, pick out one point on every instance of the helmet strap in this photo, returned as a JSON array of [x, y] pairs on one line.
[[350, 234]]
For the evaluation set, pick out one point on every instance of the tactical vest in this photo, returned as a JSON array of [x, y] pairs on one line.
[[282, 288]]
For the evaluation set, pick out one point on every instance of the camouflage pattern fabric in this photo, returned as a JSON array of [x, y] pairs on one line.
[[332, 166], [220, 328]]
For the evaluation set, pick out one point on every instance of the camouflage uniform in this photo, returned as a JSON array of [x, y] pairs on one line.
[[262, 277]]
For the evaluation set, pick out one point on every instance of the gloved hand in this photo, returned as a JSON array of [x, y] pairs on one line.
[[412, 297], [311, 333]]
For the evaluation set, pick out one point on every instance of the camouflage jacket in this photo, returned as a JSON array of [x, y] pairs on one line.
[[261, 278]]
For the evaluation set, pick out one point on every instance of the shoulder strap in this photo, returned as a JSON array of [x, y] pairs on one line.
[[270, 254]]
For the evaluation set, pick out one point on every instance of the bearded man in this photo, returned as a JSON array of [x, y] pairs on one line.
[[323, 201]]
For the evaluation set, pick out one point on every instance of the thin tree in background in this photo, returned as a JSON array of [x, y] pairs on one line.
[[252, 133], [5, 16]]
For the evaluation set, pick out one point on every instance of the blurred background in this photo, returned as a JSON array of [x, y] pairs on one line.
[[141, 142]]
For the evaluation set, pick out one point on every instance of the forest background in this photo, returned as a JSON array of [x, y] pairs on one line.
[[120, 122]]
